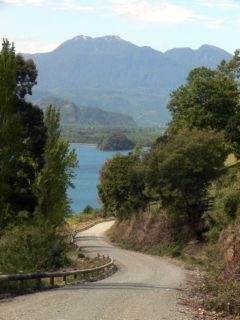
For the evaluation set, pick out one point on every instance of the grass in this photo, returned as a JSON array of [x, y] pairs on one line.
[[231, 160], [84, 220]]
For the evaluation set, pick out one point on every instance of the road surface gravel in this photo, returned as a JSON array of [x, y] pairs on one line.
[[144, 288]]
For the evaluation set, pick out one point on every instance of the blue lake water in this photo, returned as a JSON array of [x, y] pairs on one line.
[[87, 176]]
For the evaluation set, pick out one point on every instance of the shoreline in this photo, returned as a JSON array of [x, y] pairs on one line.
[[84, 144]]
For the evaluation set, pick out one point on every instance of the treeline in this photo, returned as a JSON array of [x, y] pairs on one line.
[[36, 167], [184, 177], [144, 136]]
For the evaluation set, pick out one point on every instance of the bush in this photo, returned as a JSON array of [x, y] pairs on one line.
[[226, 206], [88, 209], [179, 169], [31, 248]]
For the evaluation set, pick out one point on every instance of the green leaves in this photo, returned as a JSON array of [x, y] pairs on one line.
[[121, 187], [179, 170], [208, 100], [55, 177]]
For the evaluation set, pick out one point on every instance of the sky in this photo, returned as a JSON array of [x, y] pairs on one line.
[[42, 25]]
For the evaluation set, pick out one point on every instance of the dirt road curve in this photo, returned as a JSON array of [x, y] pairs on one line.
[[144, 288]]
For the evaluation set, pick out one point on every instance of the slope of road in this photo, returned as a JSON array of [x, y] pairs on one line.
[[144, 288]]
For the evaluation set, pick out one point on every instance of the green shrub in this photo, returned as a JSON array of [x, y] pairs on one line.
[[226, 206], [88, 209], [31, 248]]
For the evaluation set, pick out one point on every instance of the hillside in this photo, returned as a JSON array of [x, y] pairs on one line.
[[85, 117], [116, 75]]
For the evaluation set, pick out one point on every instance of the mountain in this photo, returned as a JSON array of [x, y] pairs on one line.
[[116, 75], [72, 115]]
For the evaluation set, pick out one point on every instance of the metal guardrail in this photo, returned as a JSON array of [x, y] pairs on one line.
[[85, 273]]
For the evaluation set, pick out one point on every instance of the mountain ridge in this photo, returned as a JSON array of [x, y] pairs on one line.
[[116, 75], [86, 117]]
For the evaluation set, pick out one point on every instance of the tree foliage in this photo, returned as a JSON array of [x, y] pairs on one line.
[[9, 129], [55, 177], [32, 154], [31, 248], [36, 167], [209, 99], [121, 187], [115, 141], [26, 75], [22, 135], [179, 169]]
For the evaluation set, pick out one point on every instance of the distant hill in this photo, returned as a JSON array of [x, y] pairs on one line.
[[85, 116], [116, 75]]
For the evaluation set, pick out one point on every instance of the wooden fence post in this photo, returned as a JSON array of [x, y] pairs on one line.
[[52, 281]]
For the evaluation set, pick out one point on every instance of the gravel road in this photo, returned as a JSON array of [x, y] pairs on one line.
[[144, 288]]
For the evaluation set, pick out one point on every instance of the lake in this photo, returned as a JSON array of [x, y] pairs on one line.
[[87, 175]]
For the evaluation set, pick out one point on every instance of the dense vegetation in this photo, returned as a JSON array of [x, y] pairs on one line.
[[139, 136], [116, 142], [36, 167], [182, 173]]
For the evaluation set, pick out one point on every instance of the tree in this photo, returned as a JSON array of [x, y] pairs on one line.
[[179, 169], [121, 187], [55, 177], [208, 100], [26, 75], [232, 67], [115, 141], [22, 134], [10, 146]]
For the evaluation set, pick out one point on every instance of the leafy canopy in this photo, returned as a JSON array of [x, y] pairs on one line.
[[209, 99], [121, 187], [179, 169]]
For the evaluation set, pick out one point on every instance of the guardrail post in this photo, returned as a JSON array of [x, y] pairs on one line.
[[39, 283], [64, 277], [1, 284], [52, 281], [20, 283], [75, 275]]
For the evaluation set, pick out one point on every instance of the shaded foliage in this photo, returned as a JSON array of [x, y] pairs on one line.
[[35, 172], [115, 141], [31, 248], [179, 169], [208, 100], [53, 180], [121, 187]]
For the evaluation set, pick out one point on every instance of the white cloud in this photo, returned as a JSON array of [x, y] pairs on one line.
[[69, 5], [144, 11], [24, 2], [32, 45], [66, 5], [213, 23], [220, 4]]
